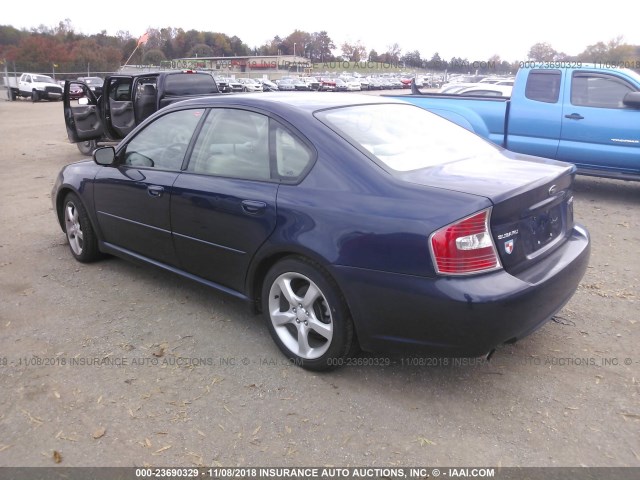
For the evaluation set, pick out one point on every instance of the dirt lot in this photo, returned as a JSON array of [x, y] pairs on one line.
[[112, 364]]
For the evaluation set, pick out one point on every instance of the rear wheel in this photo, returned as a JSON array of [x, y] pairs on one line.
[[306, 314], [83, 241], [87, 148]]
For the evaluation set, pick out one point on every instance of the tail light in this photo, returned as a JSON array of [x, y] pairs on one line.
[[465, 246]]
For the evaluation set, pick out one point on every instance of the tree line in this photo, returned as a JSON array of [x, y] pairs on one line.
[[60, 48]]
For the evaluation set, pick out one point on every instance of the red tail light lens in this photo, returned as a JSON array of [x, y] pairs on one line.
[[465, 246]]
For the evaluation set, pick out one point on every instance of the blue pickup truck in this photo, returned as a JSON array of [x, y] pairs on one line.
[[583, 114]]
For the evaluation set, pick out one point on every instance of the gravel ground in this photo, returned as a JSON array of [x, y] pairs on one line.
[[113, 364]]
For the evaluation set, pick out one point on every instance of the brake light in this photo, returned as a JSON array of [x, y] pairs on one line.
[[465, 246]]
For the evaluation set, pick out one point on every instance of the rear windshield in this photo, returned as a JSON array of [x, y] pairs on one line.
[[404, 137], [189, 84]]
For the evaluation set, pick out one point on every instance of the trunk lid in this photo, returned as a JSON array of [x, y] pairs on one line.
[[532, 200]]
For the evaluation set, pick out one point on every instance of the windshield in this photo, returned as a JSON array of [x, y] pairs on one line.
[[404, 137], [633, 74]]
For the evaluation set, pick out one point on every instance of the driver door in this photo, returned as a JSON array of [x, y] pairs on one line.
[[133, 197], [82, 116]]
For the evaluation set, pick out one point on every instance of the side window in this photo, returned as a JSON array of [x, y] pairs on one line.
[[120, 89], [233, 143], [543, 86], [292, 156], [598, 90], [163, 143]]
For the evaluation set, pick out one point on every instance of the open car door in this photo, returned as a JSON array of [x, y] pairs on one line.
[[117, 101], [81, 112]]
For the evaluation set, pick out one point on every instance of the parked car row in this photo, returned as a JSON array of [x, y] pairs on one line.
[[342, 83]]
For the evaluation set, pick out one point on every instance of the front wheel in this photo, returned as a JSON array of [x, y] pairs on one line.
[[87, 148], [306, 314], [83, 241], [35, 96]]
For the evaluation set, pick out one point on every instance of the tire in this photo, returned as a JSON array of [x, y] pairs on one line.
[[306, 314], [81, 236], [87, 148], [12, 95], [35, 96]]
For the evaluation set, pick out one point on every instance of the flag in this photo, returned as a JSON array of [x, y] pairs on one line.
[[143, 39]]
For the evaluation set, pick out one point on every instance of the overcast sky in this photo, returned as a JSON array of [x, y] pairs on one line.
[[475, 29]]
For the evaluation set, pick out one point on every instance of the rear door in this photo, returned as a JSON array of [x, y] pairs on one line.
[[117, 102], [82, 116], [224, 205], [598, 131], [534, 116]]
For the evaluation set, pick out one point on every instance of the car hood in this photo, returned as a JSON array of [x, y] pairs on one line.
[[495, 176]]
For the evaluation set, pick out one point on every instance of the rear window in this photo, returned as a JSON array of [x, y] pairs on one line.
[[543, 86], [404, 137], [189, 84]]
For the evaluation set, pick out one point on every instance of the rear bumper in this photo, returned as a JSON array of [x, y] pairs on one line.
[[461, 316]]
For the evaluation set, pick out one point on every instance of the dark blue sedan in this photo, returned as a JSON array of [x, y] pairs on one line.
[[349, 221]]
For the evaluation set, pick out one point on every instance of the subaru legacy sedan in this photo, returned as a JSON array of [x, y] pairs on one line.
[[351, 222]]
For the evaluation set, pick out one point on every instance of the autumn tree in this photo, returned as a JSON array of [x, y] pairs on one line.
[[297, 43], [542, 52], [392, 55], [615, 52], [412, 59], [153, 57], [353, 52], [320, 49], [373, 56], [200, 50]]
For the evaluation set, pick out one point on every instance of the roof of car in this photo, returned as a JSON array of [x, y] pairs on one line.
[[300, 101]]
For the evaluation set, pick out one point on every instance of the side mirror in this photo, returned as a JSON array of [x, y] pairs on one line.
[[104, 156], [632, 99]]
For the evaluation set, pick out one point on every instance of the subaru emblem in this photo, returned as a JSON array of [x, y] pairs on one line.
[[508, 246]]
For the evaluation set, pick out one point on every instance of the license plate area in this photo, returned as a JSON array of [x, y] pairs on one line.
[[543, 229]]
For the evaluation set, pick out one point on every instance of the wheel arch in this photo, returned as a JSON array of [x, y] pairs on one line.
[[60, 196], [263, 263], [268, 258]]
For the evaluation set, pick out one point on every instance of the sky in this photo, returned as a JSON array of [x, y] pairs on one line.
[[472, 29]]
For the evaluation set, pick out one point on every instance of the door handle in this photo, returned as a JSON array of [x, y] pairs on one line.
[[253, 207], [574, 116], [155, 190]]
